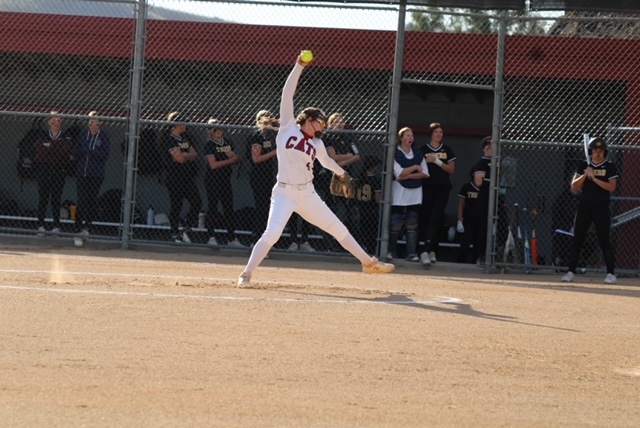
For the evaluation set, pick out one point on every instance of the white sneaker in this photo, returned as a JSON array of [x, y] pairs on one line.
[[610, 279], [78, 242], [432, 256], [413, 258], [377, 267], [424, 259], [41, 231], [235, 244], [212, 241], [305, 246], [569, 277], [244, 280], [389, 257], [185, 237], [293, 247], [55, 230]]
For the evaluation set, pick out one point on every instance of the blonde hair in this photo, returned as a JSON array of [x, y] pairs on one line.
[[174, 116], [266, 122], [171, 116], [262, 115], [402, 132], [433, 127], [333, 119], [53, 117], [92, 114]]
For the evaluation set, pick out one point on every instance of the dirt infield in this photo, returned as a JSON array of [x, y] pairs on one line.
[[112, 338]]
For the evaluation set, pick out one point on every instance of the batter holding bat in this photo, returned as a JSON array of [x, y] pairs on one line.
[[596, 179], [298, 144]]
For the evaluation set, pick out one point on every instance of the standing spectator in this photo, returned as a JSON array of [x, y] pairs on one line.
[[409, 169], [91, 152], [481, 175], [369, 199], [262, 144], [342, 148], [435, 191], [220, 158], [53, 150], [299, 144], [470, 220], [596, 180], [182, 169]]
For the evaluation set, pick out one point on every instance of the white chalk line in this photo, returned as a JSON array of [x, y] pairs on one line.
[[115, 275], [355, 300]]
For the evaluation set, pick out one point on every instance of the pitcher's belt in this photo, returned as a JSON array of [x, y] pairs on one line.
[[296, 186]]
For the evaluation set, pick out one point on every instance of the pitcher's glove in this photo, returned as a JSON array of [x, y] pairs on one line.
[[344, 187]]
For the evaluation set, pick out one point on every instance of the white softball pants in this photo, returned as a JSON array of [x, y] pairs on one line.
[[303, 199]]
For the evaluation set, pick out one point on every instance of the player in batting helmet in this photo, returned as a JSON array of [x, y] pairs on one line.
[[598, 143]]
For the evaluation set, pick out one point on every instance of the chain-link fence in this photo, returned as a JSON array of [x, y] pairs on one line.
[[536, 82]]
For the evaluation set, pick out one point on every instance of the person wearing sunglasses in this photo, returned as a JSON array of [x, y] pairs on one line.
[[298, 145]]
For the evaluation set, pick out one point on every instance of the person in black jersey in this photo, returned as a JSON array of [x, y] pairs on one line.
[[220, 160], [53, 152], [262, 149], [369, 199], [481, 175], [596, 180], [180, 176], [470, 220], [441, 162]]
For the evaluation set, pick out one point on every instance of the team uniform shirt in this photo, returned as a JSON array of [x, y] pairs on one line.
[[591, 192], [297, 150], [483, 166], [343, 144], [219, 151], [367, 190], [170, 143], [267, 143], [403, 196], [438, 176], [472, 208]]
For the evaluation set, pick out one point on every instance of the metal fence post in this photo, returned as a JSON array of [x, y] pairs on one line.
[[134, 120], [394, 107], [496, 130]]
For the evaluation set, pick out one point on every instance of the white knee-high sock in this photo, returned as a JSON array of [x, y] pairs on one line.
[[351, 245], [259, 252]]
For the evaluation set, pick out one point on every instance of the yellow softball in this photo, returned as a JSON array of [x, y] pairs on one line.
[[306, 56]]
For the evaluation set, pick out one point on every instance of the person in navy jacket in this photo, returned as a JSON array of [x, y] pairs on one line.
[[91, 152]]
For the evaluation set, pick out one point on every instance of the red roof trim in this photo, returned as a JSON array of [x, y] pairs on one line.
[[353, 49]]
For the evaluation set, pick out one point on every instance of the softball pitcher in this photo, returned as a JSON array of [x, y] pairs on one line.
[[298, 145]]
